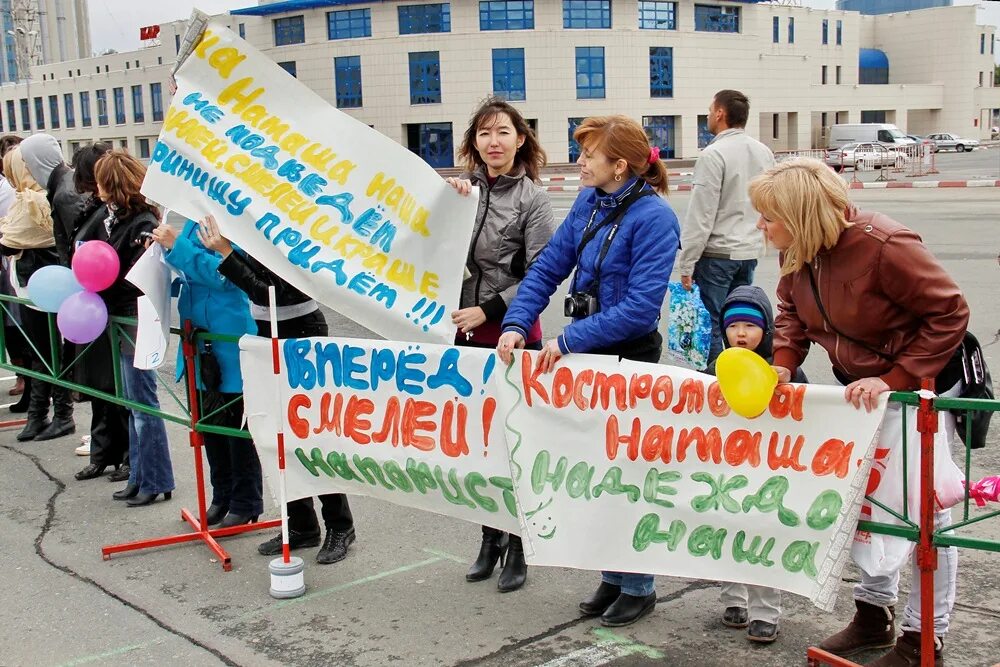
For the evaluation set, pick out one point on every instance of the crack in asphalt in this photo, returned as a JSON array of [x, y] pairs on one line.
[[556, 629], [50, 508]]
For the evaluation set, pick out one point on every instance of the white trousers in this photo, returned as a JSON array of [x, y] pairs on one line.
[[761, 602]]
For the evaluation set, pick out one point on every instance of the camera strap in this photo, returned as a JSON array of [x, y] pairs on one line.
[[614, 220]]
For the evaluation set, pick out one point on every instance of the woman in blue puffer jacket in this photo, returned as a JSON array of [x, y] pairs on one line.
[[620, 240], [216, 305]]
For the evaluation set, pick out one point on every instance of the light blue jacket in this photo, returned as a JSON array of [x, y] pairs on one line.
[[211, 302]]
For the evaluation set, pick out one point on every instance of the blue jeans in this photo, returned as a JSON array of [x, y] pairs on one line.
[[716, 278], [639, 585], [148, 452]]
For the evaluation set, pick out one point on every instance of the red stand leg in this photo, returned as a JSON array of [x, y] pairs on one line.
[[198, 524], [927, 557]]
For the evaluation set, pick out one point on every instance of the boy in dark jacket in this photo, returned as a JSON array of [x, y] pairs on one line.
[[747, 322]]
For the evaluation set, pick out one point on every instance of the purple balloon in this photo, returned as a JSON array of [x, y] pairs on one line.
[[95, 265], [82, 317]]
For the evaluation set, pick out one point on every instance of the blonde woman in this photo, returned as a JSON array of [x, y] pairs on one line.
[[867, 290], [29, 241]]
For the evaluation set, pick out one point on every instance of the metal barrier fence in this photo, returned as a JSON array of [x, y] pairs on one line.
[[916, 529]]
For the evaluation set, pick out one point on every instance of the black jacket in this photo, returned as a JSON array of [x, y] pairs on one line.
[[125, 238], [67, 205], [254, 278], [95, 368]]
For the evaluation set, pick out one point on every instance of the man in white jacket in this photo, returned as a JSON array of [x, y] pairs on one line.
[[720, 242]]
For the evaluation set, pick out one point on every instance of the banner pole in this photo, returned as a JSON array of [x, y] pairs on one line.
[[197, 440], [927, 556]]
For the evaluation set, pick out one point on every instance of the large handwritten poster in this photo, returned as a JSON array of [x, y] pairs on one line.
[[342, 212], [602, 464]]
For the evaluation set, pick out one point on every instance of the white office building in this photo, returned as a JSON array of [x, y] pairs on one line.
[[416, 70]]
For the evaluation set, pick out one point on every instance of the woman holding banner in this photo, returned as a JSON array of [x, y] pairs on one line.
[[866, 289], [513, 224], [619, 240]]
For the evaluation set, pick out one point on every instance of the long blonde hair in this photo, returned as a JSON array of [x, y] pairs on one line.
[[810, 200]]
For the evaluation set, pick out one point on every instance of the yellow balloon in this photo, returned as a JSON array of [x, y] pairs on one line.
[[747, 381]]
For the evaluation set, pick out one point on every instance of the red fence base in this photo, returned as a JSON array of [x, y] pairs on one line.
[[817, 657]]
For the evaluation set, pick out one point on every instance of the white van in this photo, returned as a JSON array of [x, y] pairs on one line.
[[850, 133]]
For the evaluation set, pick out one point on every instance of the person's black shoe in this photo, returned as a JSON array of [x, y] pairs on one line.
[[22, 404], [335, 545], [602, 598], [32, 429], [120, 474], [490, 551], [92, 471], [146, 499], [57, 429], [231, 520], [296, 540], [762, 631], [215, 514], [734, 617], [628, 609], [130, 491], [515, 571]]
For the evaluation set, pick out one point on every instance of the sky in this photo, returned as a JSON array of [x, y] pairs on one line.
[[115, 23]]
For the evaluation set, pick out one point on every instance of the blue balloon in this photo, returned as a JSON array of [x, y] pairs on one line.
[[51, 285]]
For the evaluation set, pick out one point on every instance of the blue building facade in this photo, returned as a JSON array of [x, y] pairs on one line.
[[889, 6]]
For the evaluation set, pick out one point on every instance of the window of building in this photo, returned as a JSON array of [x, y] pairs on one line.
[[119, 97], [587, 14], [660, 130], [289, 30], [774, 126], [144, 146], [425, 77], [980, 83], [433, 142], [242, 29], [574, 146], [822, 120], [11, 120], [507, 15], [290, 67], [508, 74], [347, 81], [25, 115], [138, 114], [128, 65], [85, 109], [68, 110], [822, 78], [873, 116], [349, 23], [657, 15], [982, 43], [791, 29], [177, 43], [838, 75], [716, 18], [873, 67], [840, 32], [415, 19], [54, 111], [826, 31], [39, 114], [704, 136], [776, 29], [159, 61], [589, 72], [661, 71], [156, 101]]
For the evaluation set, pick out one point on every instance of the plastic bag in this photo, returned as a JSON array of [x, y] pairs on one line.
[[689, 331], [881, 555]]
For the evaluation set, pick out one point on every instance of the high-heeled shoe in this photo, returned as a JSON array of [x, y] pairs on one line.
[[215, 513], [231, 520], [491, 550], [92, 471], [146, 499], [130, 491]]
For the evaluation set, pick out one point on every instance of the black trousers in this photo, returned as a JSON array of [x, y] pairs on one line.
[[233, 465], [36, 329], [108, 433]]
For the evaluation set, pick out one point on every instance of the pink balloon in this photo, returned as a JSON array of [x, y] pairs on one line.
[[82, 317], [96, 266]]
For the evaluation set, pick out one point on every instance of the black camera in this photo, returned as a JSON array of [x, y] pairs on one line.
[[579, 305]]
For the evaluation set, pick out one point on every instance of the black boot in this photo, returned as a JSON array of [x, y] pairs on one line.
[[22, 403], [130, 491], [215, 514], [601, 599], [62, 420], [38, 411], [31, 430], [515, 570], [491, 550]]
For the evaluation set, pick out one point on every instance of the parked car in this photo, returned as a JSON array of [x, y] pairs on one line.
[[874, 153], [947, 141], [916, 139], [850, 133]]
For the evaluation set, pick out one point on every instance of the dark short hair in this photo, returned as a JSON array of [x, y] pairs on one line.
[[7, 142], [736, 106], [83, 164]]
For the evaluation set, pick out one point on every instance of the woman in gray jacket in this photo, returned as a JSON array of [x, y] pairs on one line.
[[513, 224]]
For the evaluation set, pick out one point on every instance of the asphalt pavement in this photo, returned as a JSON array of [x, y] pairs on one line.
[[401, 597]]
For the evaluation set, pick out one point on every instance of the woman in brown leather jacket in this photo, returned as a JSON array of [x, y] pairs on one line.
[[867, 290]]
